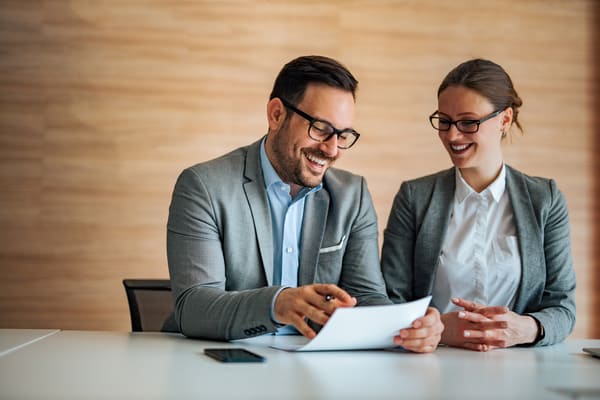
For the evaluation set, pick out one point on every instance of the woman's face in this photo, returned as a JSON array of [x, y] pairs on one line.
[[479, 152]]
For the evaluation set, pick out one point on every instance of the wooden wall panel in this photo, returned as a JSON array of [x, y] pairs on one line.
[[594, 275], [102, 104]]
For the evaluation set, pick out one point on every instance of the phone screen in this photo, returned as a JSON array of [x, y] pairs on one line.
[[233, 354]]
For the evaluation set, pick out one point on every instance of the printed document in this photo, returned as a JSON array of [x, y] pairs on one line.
[[362, 328]]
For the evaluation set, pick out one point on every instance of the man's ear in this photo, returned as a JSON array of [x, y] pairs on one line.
[[276, 114]]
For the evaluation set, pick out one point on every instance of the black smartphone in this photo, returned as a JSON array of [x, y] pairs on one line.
[[594, 351], [233, 354]]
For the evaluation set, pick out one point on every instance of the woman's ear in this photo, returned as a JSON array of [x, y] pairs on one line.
[[507, 118]]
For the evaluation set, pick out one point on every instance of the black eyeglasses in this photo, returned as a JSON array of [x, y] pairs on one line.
[[464, 125], [322, 131]]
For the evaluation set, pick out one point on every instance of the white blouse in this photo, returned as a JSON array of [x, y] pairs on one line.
[[480, 259]]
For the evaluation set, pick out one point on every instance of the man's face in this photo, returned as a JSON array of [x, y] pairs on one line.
[[299, 160]]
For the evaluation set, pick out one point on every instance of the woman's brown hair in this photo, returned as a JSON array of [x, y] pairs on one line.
[[489, 80]]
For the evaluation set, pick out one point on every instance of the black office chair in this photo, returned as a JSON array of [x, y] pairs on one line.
[[150, 305]]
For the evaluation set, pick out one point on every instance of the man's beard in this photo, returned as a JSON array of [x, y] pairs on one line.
[[291, 169]]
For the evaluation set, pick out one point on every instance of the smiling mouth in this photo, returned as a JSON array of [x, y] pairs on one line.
[[460, 148], [320, 162]]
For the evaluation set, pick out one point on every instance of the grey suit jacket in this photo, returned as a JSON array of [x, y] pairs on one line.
[[220, 250], [418, 223]]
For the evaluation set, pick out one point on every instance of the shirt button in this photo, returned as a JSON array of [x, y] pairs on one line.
[[289, 249]]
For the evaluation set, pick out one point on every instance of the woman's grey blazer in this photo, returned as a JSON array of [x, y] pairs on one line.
[[220, 245], [418, 223]]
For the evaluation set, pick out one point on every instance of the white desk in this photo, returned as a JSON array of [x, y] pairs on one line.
[[119, 365], [13, 339]]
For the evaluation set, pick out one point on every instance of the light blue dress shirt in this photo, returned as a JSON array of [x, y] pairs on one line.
[[286, 219]]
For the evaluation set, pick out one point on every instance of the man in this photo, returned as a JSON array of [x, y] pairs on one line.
[[269, 235]]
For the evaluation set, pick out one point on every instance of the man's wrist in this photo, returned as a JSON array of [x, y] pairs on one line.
[[272, 311]]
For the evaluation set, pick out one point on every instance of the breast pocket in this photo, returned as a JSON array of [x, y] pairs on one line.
[[329, 266], [336, 247]]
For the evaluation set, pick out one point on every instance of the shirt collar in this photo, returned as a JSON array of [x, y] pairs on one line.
[[272, 178], [495, 189]]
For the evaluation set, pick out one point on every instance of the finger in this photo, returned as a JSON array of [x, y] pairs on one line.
[[420, 349], [334, 292], [474, 317], [300, 323], [476, 346], [316, 304], [482, 320], [293, 304], [424, 332], [490, 343], [431, 334], [422, 345], [431, 318], [489, 337], [491, 325], [307, 304], [413, 333], [466, 304], [494, 311], [317, 315]]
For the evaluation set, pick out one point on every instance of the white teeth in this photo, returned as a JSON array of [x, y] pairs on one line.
[[316, 160], [459, 147]]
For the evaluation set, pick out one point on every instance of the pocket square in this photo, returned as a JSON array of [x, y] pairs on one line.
[[334, 247]]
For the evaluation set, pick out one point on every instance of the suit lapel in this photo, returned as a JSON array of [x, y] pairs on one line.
[[313, 228], [258, 202], [528, 233], [432, 231]]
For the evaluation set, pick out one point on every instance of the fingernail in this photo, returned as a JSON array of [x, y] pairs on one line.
[[461, 314], [467, 333]]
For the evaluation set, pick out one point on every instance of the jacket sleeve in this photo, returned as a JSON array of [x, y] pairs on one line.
[[556, 310], [397, 258], [203, 308]]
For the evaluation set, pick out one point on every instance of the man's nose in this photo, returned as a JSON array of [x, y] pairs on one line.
[[330, 146]]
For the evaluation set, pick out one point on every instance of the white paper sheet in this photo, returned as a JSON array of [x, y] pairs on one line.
[[361, 328]]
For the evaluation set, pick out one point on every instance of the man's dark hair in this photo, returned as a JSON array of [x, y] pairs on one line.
[[297, 74]]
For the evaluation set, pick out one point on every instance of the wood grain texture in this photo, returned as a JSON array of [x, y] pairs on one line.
[[594, 275], [102, 104]]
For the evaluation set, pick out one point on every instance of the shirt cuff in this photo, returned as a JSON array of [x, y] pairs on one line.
[[277, 323]]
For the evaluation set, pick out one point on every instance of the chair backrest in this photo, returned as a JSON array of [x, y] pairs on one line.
[[150, 305]]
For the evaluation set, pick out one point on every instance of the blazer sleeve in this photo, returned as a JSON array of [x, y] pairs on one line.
[[556, 309], [203, 308], [397, 258]]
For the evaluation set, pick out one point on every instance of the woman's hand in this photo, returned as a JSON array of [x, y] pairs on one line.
[[424, 334], [482, 328]]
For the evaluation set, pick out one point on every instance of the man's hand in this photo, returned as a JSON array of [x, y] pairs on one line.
[[424, 334], [316, 302]]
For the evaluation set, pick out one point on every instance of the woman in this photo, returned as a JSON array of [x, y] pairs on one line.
[[489, 243]]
